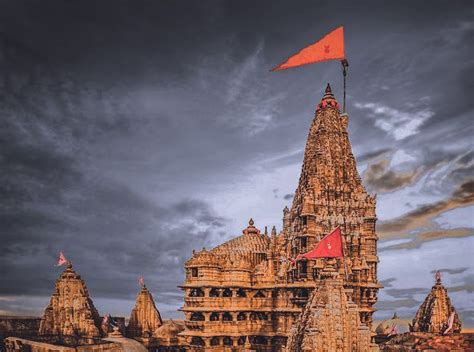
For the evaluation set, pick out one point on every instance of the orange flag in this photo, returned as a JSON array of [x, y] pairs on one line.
[[329, 247], [331, 47]]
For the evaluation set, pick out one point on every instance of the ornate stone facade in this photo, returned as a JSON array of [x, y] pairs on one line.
[[330, 320], [70, 313], [145, 318], [434, 312], [246, 294]]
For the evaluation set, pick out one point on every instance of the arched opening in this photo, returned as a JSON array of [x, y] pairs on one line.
[[215, 341], [196, 292], [197, 316], [227, 341], [241, 316], [241, 341], [214, 317], [197, 341], [226, 317], [303, 266], [227, 293], [303, 293], [259, 294], [214, 292], [194, 272], [241, 293]]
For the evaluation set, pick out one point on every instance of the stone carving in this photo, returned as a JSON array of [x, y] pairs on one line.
[[330, 321], [145, 318], [70, 312], [434, 313]]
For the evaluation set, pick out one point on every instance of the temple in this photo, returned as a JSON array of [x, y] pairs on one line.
[[435, 311], [71, 313], [246, 294], [144, 318]]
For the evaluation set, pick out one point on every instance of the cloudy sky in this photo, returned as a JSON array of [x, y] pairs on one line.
[[133, 132]]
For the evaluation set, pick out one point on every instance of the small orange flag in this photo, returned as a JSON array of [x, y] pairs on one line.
[[331, 47]]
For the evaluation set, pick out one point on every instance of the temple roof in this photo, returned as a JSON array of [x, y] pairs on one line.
[[169, 329], [328, 159], [144, 318], [251, 243], [435, 312], [71, 312]]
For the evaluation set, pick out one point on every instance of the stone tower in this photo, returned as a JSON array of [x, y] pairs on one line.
[[330, 193], [144, 318], [330, 320], [434, 312], [70, 313]]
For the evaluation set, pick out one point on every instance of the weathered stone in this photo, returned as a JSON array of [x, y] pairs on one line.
[[145, 318], [434, 313], [70, 313], [330, 321]]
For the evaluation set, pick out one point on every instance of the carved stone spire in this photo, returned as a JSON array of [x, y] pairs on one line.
[[434, 313], [330, 193], [329, 321], [144, 318], [70, 312]]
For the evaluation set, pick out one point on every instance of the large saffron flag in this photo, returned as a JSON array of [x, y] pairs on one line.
[[330, 47], [329, 247]]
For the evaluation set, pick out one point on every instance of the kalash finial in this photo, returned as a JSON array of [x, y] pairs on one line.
[[438, 277], [251, 222], [328, 92]]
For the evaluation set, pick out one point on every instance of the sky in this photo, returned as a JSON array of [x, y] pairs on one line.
[[133, 132]]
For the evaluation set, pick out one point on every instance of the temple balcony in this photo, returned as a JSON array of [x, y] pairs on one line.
[[246, 327], [228, 303]]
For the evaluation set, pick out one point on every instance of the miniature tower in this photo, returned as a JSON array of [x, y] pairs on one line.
[[70, 312], [144, 318], [434, 313]]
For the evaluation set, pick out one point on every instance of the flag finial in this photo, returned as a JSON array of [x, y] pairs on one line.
[[328, 92]]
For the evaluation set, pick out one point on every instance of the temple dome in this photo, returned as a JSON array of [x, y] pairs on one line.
[[169, 330], [394, 325]]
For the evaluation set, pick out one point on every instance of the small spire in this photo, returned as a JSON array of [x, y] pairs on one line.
[[328, 89], [274, 231], [438, 277], [251, 222], [328, 92]]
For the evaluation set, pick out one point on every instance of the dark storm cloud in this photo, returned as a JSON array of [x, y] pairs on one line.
[[368, 156], [400, 227], [379, 178], [119, 118]]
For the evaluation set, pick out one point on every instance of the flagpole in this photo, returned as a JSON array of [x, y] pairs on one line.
[[345, 65]]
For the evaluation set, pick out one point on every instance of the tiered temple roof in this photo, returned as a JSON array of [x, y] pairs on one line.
[[70, 312], [144, 318], [434, 313], [330, 320]]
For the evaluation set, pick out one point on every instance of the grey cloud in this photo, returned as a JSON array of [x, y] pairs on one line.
[[451, 271]]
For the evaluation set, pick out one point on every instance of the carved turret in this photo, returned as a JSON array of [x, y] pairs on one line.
[[144, 318], [330, 193], [329, 321], [434, 313], [70, 312]]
